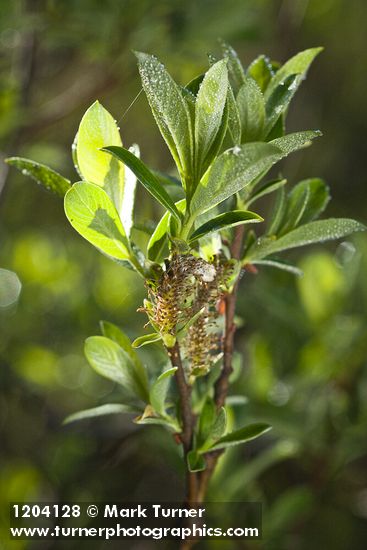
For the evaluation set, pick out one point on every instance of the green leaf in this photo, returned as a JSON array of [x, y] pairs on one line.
[[158, 392], [292, 142], [159, 238], [215, 431], [224, 221], [114, 333], [206, 420], [128, 199], [209, 108], [313, 232], [318, 199], [42, 174], [231, 172], [298, 64], [267, 188], [296, 204], [279, 101], [195, 461], [169, 109], [117, 335], [251, 108], [284, 266], [111, 361], [240, 436], [146, 339], [145, 176], [261, 71], [277, 212], [306, 201], [91, 212], [102, 410], [235, 68], [219, 426], [98, 129], [149, 416], [167, 179], [234, 121], [194, 85], [218, 141], [278, 129]]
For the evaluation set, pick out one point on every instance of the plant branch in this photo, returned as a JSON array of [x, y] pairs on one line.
[[222, 384], [184, 391]]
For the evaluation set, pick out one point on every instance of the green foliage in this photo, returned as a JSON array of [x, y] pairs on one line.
[[111, 331], [292, 142], [209, 107], [231, 172], [313, 232], [224, 221], [188, 263], [279, 100], [102, 410], [313, 328], [243, 435], [195, 461], [92, 213], [251, 109], [146, 340], [112, 361], [261, 71], [145, 176], [158, 392], [96, 130], [43, 175], [297, 65], [171, 112], [159, 238]]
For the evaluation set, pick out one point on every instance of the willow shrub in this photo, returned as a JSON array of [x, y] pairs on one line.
[[225, 131]]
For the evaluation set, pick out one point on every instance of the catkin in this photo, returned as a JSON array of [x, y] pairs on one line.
[[188, 285]]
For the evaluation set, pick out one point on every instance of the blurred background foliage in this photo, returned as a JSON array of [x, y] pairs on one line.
[[302, 342]]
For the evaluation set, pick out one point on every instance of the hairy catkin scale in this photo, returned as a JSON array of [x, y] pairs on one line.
[[189, 285]]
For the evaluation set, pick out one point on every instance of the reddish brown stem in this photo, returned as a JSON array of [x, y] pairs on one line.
[[222, 384], [187, 418]]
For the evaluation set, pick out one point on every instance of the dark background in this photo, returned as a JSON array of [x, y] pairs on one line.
[[303, 342]]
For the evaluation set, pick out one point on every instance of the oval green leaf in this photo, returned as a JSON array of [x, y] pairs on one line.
[[91, 212], [98, 129], [111, 361]]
